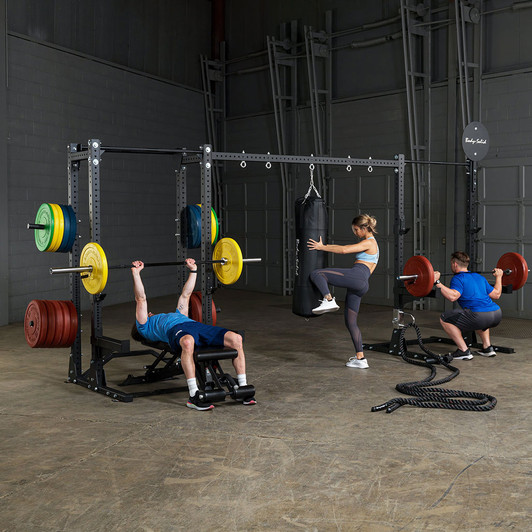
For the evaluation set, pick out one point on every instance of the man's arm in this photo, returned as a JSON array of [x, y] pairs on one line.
[[141, 312], [448, 293], [188, 288], [497, 289]]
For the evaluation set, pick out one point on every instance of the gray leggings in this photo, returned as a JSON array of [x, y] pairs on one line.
[[356, 280]]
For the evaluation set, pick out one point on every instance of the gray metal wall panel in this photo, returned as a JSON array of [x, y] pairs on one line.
[[370, 193], [512, 46], [505, 211], [252, 215]]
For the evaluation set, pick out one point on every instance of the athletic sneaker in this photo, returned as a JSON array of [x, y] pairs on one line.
[[198, 404], [486, 351], [249, 401], [326, 306], [462, 355], [360, 363]]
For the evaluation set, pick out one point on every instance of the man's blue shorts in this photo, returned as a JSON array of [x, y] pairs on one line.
[[204, 335]]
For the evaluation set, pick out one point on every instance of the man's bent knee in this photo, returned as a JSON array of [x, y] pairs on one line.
[[187, 342], [233, 340]]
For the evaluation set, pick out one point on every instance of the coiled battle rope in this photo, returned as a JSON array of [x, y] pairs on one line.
[[434, 397]]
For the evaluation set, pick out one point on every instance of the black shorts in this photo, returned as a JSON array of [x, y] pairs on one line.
[[467, 320], [204, 335]]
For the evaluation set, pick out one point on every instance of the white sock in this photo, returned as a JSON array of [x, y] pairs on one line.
[[242, 381], [192, 386]]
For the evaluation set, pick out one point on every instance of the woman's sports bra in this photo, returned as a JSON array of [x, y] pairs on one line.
[[366, 257]]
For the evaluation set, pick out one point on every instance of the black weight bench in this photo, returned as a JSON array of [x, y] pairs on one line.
[[213, 383]]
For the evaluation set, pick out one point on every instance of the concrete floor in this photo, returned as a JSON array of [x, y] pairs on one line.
[[309, 456]]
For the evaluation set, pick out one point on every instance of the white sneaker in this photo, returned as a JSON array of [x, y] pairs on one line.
[[326, 306], [360, 363]]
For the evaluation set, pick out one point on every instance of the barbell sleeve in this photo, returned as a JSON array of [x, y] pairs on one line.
[[71, 269], [406, 277], [35, 226]]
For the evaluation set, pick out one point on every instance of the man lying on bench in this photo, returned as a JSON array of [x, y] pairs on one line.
[[183, 333]]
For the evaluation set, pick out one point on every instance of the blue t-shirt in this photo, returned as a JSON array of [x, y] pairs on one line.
[[474, 290], [157, 327]]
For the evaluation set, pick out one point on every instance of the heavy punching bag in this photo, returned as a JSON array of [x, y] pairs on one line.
[[311, 221]]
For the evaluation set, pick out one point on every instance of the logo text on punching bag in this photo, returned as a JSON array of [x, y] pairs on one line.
[[297, 257]]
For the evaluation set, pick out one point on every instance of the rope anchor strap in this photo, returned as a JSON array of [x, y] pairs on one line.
[[312, 186], [428, 397]]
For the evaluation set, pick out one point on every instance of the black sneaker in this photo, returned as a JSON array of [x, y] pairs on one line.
[[249, 401], [486, 351], [198, 404], [462, 355]]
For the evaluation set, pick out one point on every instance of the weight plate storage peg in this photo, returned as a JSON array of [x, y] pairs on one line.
[[230, 271], [420, 266], [519, 269], [93, 255]]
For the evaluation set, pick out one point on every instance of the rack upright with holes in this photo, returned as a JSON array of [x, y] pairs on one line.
[[104, 349]]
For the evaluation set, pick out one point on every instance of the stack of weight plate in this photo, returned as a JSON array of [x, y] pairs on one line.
[[195, 308], [50, 323], [193, 217], [60, 227]]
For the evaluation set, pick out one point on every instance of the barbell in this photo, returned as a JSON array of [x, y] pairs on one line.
[[418, 273], [227, 265]]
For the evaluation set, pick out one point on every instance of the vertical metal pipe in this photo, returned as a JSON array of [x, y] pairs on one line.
[[75, 363], [218, 27], [459, 48], [466, 66], [410, 87]]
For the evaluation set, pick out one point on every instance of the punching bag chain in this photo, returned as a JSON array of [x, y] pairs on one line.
[[311, 186]]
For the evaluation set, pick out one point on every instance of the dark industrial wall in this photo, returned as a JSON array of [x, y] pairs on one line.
[[159, 37], [57, 96], [128, 73], [369, 119]]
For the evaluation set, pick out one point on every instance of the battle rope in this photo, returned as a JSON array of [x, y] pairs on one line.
[[434, 397]]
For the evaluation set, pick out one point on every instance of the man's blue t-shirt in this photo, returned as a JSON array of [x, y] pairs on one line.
[[474, 290], [157, 327]]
